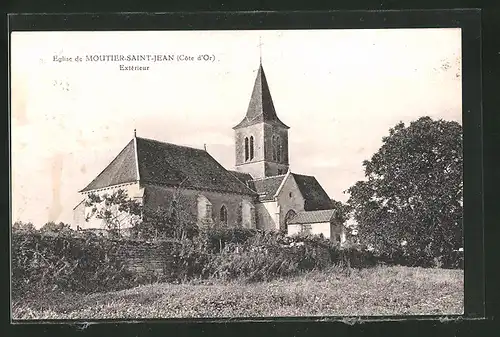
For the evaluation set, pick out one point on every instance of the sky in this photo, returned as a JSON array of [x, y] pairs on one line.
[[340, 91]]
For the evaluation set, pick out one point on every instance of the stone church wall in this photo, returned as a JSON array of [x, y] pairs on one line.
[[262, 164], [267, 216], [240, 210], [271, 215], [257, 131], [289, 198], [239, 207], [269, 132]]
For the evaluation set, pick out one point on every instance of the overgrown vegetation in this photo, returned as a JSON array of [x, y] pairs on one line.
[[66, 261], [84, 262]]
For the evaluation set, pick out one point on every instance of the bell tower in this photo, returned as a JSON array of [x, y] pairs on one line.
[[261, 138]]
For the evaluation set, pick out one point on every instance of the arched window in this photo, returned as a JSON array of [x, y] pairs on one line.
[[246, 148], [251, 147], [223, 215], [289, 216]]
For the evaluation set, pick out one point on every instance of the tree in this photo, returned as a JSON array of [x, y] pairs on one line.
[[411, 200], [170, 221], [23, 226], [343, 210], [116, 210], [51, 226]]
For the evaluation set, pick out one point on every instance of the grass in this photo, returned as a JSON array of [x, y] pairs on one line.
[[372, 291]]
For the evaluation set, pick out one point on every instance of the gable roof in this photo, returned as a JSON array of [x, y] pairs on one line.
[[314, 195], [168, 164], [267, 187], [261, 107], [313, 217]]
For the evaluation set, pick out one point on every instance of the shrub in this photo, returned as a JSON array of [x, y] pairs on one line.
[[186, 260], [266, 256], [214, 240], [66, 261], [86, 262]]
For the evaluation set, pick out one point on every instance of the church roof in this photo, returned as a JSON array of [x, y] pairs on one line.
[[267, 187], [315, 196], [157, 163], [242, 176], [245, 178], [120, 171], [313, 217], [261, 106]]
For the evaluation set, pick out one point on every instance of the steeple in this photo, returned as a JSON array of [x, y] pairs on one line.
[[261, 106], [261, 138]]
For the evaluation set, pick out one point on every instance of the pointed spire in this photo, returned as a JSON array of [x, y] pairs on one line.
[[135, 133], [261, 106]]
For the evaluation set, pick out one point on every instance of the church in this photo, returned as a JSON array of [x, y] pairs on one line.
[[261, 192]]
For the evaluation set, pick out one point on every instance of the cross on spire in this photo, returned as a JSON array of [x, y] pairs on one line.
[[260, 49]]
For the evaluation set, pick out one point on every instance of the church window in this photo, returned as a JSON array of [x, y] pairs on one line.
[[251, 147], [289, 216], [246, 149], [208, 211], [223, 215]]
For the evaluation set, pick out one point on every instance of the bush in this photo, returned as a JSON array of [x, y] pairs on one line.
[[66, 261], [214, 240], [266, 256], [85, 262], [186, 260]]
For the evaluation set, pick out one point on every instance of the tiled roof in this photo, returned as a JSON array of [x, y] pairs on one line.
[[315, 196], [168, 164], [313, 217], [267, 187], [121, 170], [245, 178], [261, 106], [242, 176]]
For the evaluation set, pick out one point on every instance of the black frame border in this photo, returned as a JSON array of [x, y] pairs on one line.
[[469, 20]]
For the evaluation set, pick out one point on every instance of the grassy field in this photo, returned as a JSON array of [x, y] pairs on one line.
[[373, 291]]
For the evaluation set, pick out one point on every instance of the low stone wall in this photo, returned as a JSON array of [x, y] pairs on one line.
[[146, 257]]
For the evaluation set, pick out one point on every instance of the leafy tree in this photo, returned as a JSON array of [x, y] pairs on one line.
[[116, 210], [411, 201], [51, 226], [343, 210], [23, 226]]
